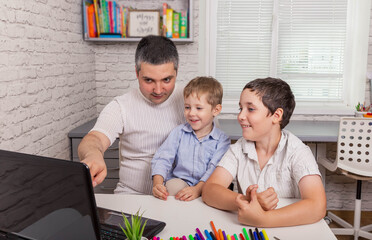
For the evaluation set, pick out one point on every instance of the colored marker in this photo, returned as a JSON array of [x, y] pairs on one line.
[[207, 234], [245, 233], [255, 236], [158, 238], [228, 237], [224, 235], [241, 236], [154, 238], [213, 236], [258, 234], [251, 234], [171, 238], [262, 236], [236, 237], [220, 234], [265, 234], [232, 237], [197, 236], [215, 231], [200, 234], [191, 237], [184, 237]]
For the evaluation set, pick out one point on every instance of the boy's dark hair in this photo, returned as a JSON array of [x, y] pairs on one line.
[[156, 50], [275, 93], [202, 85]]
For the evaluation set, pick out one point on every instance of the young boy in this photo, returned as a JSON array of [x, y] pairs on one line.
[[268, 162], [192, 150]]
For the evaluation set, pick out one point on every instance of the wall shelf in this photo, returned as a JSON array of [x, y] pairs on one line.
[[137, 39]]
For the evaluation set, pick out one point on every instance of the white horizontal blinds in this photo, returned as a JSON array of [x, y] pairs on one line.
[[243, 43], [311, 44]]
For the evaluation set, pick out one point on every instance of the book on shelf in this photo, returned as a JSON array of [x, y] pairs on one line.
[[169, 22], [183, 24], [176, 24], [164, 27], [96, 16]]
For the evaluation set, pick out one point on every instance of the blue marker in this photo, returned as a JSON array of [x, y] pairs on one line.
[[197, 236], [255, 236], [209, 237], [262, 236]]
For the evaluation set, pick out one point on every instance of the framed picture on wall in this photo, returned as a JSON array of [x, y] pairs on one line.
[[143, 23]]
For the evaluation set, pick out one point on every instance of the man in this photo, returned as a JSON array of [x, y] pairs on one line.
[[141, 118]]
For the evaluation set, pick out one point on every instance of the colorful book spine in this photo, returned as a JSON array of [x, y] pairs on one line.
[[91, 21], [183, 24], [169, 22], [164, 27], [111, 17], [176, 25], [85, 12], [96, 11], [125, 22]]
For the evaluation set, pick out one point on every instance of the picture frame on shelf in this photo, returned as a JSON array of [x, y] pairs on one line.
[[143, 22]]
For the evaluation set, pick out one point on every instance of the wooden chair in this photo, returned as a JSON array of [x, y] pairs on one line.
[[354, 160]]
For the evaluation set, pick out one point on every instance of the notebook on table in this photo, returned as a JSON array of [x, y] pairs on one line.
[[47, 198]]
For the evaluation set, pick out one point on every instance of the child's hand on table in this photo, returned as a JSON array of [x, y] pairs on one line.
[[250, 212], [268, 199], [160, 191], [188, 193]]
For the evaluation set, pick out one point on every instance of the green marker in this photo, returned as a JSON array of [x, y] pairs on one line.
[[245, 234], [191, 237], [236, 237]]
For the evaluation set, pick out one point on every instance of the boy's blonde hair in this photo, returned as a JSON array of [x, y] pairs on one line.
[[205, 85]]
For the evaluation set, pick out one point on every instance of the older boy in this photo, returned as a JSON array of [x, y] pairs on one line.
[[191, 152], [268, 160], [141, 118]]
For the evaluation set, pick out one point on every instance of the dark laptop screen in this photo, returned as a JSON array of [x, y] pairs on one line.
[[45, 198]]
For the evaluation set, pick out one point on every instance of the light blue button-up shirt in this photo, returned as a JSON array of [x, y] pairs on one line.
[[183, 156]]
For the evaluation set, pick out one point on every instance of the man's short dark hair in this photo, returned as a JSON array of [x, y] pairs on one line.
[[275, 93], [156, 50]]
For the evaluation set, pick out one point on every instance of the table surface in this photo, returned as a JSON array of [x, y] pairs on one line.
[[306, 130], [182, 218]]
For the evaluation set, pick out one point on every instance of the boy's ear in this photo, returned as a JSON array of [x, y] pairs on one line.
[[217, 109], [278, 115]]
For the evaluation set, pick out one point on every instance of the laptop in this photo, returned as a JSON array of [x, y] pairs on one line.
[[47, 198]]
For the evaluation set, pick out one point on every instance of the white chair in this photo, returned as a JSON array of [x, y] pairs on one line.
[[354, 160]]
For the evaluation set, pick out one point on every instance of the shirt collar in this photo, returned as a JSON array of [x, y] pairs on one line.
[[213, 134], [250, 149]]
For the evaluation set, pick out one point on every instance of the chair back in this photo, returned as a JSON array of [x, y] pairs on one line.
[[354, 146]]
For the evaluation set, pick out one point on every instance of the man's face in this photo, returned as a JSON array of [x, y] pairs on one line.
[[156, 82]]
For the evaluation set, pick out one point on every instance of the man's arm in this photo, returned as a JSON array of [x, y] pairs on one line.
[[91, 150], [216, 193], [311, 208]]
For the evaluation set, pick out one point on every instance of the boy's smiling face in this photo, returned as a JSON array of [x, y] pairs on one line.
[[199, 113], [254, 118]]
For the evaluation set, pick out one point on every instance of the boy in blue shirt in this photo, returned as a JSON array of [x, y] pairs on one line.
[[192, 150]]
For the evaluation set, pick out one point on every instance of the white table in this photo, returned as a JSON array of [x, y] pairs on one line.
[[182, 218]]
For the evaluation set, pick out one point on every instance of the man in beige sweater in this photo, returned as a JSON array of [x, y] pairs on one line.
[[141, 118]]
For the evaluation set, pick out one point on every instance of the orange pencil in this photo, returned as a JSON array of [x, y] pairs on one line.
[[215, 231], [221, 234]]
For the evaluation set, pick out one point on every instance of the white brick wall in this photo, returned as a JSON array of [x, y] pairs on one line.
[[52, 81], [47, 76]]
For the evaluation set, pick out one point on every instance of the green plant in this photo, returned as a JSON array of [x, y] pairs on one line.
[[134, 231]]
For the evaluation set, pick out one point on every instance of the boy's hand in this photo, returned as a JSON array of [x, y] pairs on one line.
[[188, 193], [160, 191], [250, 212], [268, 199]]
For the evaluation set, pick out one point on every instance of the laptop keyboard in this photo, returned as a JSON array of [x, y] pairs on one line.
[[108, 232]]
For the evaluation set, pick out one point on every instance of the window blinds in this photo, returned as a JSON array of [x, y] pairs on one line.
[[299, 41]]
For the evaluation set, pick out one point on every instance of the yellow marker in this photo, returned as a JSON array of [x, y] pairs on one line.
[[228, 237], [265, 235]]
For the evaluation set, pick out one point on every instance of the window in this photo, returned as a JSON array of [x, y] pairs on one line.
[[311, 44]]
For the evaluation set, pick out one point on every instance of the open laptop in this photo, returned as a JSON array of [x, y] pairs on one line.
[[47, 198]]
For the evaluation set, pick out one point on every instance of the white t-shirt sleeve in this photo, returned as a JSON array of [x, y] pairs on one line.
[[229, 161], [110, 121], [303, 164]]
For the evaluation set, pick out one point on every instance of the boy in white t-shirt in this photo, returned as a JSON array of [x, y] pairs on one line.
[[268, 163]]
